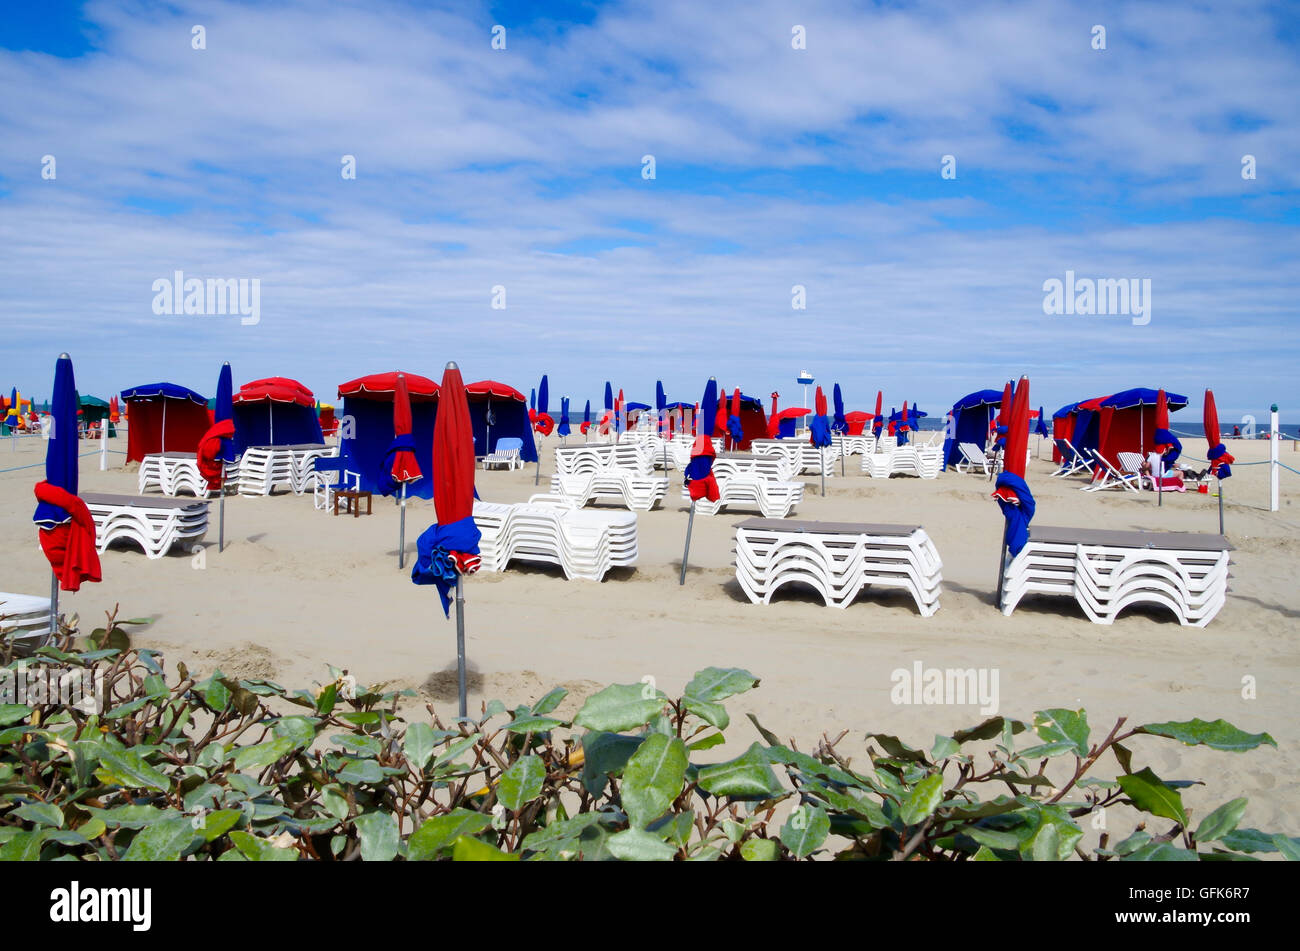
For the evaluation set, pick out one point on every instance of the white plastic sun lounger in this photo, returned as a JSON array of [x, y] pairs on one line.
[[506, 454], [836, 559], [155, 524], [1072, 460], [1108, 477], [753, 491], [550, 530], [24, 622], [972, 456], [1107, 571]]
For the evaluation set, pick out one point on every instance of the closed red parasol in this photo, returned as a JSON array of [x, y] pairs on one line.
[[720, 417], [404, 468], [877, 422], [1220, 459], [1012, 492]]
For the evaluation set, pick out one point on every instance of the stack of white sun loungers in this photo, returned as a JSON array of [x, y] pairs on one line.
[[552, 530], [1106, 571], [172, 473], [24, 621], [155, 524], [622, 472], [923, 462], [837, 559], [261, 468], [856, 445], [806, 458], [752, 480]]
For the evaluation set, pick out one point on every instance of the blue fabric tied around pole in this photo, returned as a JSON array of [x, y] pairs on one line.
[[820, 431], [433, 564], [1164, 437], [699, 467], [734, 428], [1001, 442], [387, 486], [1221, 471], [1018, 516]]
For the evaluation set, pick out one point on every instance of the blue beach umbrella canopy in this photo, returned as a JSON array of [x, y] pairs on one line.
[[1041, 428], [563, 428], [532, 400], [61, 449], [543, 396], [609, 396], [586, 414], [660, 399], [839, 424], [709, 407], [224, 408]]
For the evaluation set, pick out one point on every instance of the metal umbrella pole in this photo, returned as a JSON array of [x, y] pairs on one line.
[[1220, 485], [686, 552], [54, 603], [221, 520], [841, 454], [460, 644], [401, 533], [822, 451]]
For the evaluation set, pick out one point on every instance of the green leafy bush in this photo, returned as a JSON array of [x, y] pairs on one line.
[[227, 769]]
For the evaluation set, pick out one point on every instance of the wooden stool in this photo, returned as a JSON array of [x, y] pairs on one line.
[[352, 501]]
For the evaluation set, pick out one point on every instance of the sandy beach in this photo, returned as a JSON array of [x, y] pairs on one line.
[[297, 589]]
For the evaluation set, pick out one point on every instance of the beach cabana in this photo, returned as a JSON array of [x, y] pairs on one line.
[[784, 423], [1132, 425], [972, 415], [499, 411], [753, 421], [165, 417], [275, 411], [368, 406], [95, 410]]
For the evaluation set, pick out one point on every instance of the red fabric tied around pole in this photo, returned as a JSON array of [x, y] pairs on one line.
[[210, 467], [1017, 423], [706, 488], [70, 547], [544, 424]]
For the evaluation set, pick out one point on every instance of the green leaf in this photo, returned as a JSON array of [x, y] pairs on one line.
[[455, 749], [805, 830], [549, 702], [984, 854], [1221, 821], [129, 817], [378, 834], [533, 724], [418, 744], [217, 824], [707, 743], [1150, 794], [944, 746], [440, 833], [1217, 734], [1048, 750], [923, 800], [760, 850], [990, 728], [1052, 835], [1059, 724], [768, 736], [41, 814], [718, 683], [257, 849], [653, 778], [1160, 852], [637, 845], [1249, 840], [604, 755], [357, 771], [328, 697], [582, 836], [13, 713], [261, 755], [714, 714], [472, 850], [300, 731], [522, 782], [128, 768], [24, 847], [162, 841], [620, 707], [1289, 847], [896, 748], [748, 775]]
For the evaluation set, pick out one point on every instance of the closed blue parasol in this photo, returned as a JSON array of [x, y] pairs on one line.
[[563, 429], [66, 529], [700, 481], [839, 424]]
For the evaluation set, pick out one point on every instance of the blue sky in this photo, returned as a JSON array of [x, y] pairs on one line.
[[775, 167]]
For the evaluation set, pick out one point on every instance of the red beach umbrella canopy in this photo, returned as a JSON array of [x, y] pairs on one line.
[[405, 468], [1218, 453], [720, 418], [820, 403], [1162, 410], [453, 451], [1012, 493]]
